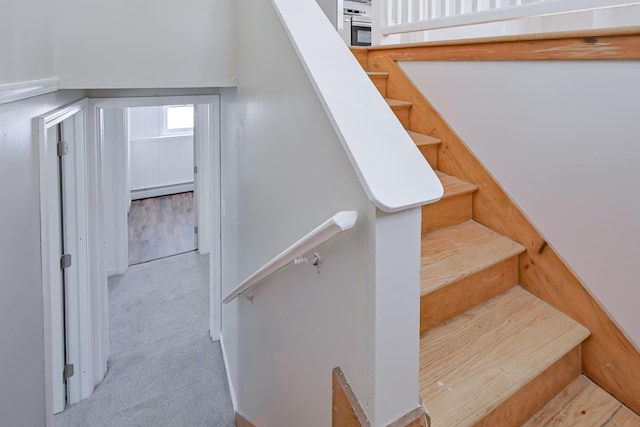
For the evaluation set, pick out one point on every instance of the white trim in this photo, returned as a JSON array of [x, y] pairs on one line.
[[162, 191], [341, 221], [162, 137], [153, 101], [99, 295], [215, 291], [505, 14], [10, 92], [202, 146], [234, 402], [122, 201], [215, 232]]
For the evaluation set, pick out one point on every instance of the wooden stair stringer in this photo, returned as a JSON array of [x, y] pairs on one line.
[[610, 359]]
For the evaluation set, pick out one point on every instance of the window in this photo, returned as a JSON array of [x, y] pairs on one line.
[[178, 119]]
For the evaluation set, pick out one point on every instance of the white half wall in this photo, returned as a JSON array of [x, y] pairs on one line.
[[562, 138], [26, 47], [22, 398], [285, 171], [161, 44]]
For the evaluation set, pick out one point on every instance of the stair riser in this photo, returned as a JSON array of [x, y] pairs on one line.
[[446, 212], [430, 152], [381, 84], [457, 297], [533, 396], [402, 113]]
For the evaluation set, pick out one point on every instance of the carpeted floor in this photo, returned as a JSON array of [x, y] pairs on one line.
[[164, 369]]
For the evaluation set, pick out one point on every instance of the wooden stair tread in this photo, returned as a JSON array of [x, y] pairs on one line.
[[397, 103], [454, 186], [584, 404], [452, 253], [421, 139], [476, 361]]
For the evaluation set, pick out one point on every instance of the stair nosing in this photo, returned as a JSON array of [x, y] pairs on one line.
[[431, 140], [398, 103], [463, 187]]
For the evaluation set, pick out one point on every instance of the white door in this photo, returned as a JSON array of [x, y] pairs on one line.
[[58, 359], [74, 310], [67, 260]]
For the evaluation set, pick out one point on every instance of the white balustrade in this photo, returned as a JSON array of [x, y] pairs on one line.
[[405, 16]]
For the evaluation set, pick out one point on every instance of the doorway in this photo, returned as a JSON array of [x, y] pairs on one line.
[[162, 219], [207, 190], [82, 331], [69, 224]]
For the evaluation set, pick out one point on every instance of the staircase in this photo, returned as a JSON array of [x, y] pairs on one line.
[[491, 353]]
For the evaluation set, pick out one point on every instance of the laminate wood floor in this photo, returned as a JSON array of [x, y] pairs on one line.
[[161, 226]]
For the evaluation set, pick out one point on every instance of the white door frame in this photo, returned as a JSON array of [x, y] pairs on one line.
[[207, 139], [81, 341]]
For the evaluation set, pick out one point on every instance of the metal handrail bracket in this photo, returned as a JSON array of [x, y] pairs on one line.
[[341, 221]]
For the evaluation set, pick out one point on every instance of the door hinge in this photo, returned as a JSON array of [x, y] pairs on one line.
[[63, 148], [195, 169], [68, 371], [65, 261], [195, 229]]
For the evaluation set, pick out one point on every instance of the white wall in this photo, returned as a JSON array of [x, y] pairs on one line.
[[21, 325], [284, 172], [26, 48], [114, 190], [125, 44], [156, 158], [562, 138]]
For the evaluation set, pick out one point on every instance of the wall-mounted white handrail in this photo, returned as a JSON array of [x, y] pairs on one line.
[[341, 221]]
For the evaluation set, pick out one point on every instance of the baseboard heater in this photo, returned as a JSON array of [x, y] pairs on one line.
[[165, 190]]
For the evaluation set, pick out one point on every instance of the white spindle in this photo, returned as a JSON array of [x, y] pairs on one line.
[[422, 10], [439, 9], [483, 5], [388, 13], [466, 6]]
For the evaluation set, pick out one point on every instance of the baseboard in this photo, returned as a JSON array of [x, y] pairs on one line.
[[234, 402], [10, 92], [162, 191]]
